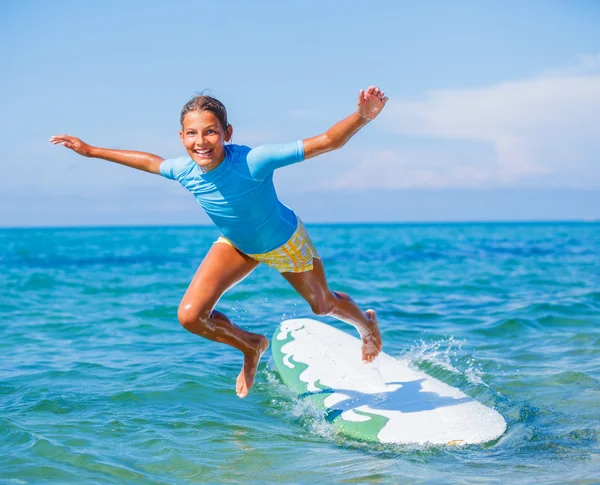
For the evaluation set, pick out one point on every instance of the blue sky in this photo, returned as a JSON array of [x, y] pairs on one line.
[[493, 115]]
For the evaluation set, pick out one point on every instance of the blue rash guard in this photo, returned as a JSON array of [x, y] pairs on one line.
[[239, 195]]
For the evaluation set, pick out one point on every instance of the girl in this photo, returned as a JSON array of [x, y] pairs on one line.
[[234, 185]]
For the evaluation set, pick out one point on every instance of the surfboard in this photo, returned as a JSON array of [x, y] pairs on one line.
[[386, 401]]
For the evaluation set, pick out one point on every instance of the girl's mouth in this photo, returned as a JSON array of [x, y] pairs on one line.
[[206, 153]]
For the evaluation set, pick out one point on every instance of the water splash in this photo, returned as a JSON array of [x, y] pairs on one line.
[[447, 354]]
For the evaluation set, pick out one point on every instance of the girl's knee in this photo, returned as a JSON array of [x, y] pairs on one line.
[[191, 317]]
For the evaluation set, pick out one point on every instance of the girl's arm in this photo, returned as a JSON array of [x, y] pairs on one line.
[[140, 160], [370, 104]]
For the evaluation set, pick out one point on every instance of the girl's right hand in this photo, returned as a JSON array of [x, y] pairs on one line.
[[73, 143], [370, 102]]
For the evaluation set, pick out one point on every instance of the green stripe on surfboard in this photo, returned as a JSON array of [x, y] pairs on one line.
[[361, 430]]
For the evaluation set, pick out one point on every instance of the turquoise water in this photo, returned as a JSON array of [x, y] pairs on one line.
[[100, 384]]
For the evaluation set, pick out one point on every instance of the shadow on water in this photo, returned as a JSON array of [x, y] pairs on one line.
[[407, 398]]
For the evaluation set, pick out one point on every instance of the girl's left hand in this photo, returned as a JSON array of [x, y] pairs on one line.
[[371, 102]]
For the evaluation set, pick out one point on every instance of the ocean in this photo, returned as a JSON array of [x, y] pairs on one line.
[[99, 384]]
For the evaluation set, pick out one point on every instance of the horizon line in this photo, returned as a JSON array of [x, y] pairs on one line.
[[308, 223]]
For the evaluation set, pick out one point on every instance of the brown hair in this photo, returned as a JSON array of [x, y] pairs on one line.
[[206, 103]]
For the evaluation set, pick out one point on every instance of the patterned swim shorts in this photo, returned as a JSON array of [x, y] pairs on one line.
[[295, 256]]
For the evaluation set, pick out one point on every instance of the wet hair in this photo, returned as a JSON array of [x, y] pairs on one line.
[[206, 103]]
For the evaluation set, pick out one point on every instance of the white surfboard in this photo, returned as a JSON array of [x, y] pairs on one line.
[[385, 401]]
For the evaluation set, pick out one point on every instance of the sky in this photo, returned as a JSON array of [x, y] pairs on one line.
[[494, 109]]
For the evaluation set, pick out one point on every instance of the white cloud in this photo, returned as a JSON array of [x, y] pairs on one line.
[[544, 131], [389, 169], [588, 64]]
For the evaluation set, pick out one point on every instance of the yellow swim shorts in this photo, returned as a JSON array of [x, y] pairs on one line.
[[295, 256]]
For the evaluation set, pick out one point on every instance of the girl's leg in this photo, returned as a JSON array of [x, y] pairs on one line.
[[222, 268], [312, 286]]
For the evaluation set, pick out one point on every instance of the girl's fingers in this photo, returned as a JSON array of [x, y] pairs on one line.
[[66, 141], [60, 137], [373, 91]]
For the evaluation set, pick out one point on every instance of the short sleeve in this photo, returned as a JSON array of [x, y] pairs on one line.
[[173, 168], [264, 159]]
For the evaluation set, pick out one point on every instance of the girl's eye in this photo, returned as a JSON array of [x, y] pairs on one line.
[[209, 132]]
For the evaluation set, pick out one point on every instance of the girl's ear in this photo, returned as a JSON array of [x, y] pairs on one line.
[[228, 133]]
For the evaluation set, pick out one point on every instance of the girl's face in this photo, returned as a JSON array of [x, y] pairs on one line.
[[204, 139]]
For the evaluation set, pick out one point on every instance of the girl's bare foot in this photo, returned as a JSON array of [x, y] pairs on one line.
[[245, 380], [372, 340]]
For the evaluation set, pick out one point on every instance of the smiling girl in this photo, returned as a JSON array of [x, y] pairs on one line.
[[234, 185]]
